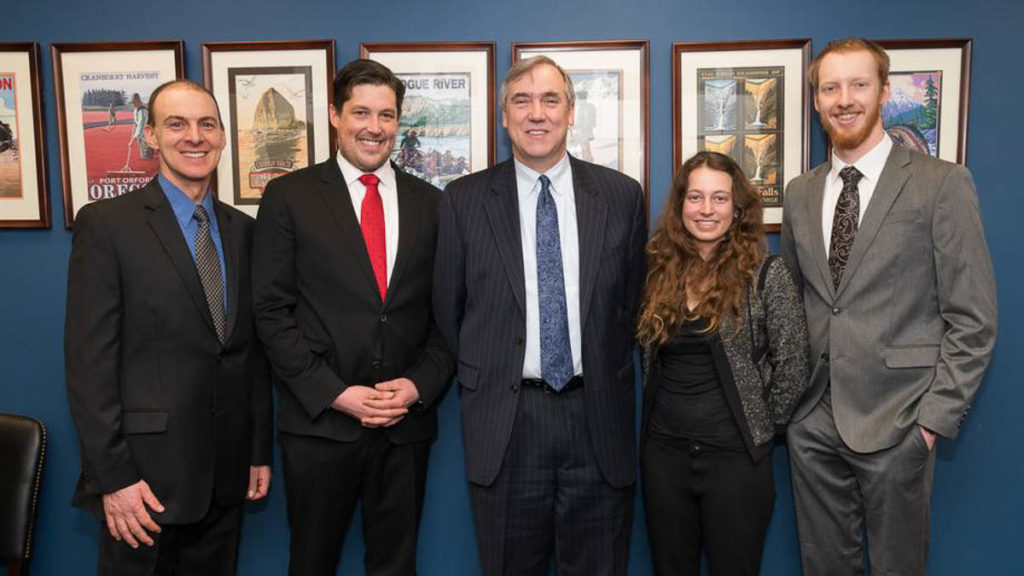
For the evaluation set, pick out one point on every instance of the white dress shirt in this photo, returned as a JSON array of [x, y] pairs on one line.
[[528, 188], [870, 165], [388, 191]]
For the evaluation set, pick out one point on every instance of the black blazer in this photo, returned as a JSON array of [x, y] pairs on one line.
[[153, 393], [319, 312], [479, 299]]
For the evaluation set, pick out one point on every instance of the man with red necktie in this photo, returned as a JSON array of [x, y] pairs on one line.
[[342, 271]]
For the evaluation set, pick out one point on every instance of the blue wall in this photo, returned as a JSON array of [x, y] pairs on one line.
[[977, 503]]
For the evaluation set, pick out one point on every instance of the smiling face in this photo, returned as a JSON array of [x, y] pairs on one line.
[[708, 209], [849, 100], [537, 115], [366, 126], [188, 135]]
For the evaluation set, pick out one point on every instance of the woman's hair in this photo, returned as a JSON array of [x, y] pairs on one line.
[[674, 262]]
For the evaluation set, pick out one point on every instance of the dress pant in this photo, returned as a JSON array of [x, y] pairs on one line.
[[696, 495], [206, 548], [837, 491], [323, 481], [550, 496]]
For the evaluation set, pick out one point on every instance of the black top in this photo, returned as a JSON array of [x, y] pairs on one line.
[[690, 403]]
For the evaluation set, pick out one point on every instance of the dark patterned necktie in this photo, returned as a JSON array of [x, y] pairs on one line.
[[555, 352], [844, 224], [208, 265]]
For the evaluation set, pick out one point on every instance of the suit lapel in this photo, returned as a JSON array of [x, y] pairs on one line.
[[502, 206], [336, 196], [409, 219], [165, 226], [591, 213], [890, 184], [229, 242], [816, 194]]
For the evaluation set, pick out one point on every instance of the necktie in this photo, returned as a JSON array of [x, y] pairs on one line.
[[208, 265], [555, 352], [844, 224], [371, 220]]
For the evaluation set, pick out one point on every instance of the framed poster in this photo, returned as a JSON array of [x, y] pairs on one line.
[[274, 98], [749, 100], [929, 89], [24, 202], [612, 94], [446, 125], [103, 93]]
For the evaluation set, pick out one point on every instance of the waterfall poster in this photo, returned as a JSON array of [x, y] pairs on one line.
[[740, 114], [272, 133]]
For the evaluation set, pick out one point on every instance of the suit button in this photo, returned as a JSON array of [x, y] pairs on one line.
[[376, 363], [213, 411], [519, 340], [835, 311], [514, 387], [383, 318], [824, 357]]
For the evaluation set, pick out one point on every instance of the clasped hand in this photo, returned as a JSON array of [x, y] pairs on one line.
[[384, 405]]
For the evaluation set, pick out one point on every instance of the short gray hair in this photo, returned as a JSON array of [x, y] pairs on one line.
[[520, 68]]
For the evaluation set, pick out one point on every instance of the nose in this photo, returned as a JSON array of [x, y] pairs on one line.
[[845, 96], [373, 125], [193, 134], [536, 111], [706, 207]]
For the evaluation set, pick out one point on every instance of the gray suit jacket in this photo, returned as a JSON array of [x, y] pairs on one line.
[[906, 338], [480, 306]]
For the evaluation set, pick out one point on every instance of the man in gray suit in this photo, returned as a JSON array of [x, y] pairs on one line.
[[537, 277], [901, 307]]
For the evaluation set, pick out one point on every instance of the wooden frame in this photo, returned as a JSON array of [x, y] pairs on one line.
[[251, 81], [773, 73], [92, 81], [619, 70], [442, 75], [24, 196]]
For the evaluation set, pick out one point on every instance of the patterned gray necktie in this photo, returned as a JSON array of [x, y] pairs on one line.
[[208, 265], [844, 224], [555, 352]]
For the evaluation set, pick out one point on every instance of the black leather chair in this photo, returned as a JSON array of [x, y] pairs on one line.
[[22, 452]]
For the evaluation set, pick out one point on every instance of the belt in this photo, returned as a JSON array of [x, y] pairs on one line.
[[572, 384]]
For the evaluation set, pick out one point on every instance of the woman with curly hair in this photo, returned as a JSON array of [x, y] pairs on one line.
[[725, 343]]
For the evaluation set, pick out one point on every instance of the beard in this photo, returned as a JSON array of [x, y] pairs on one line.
[[851, 139]]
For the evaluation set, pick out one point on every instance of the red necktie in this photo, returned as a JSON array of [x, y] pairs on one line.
[[371, 220]]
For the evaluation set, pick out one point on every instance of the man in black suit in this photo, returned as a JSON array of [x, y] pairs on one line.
[[539, 267], [167, 383], [342, 268]]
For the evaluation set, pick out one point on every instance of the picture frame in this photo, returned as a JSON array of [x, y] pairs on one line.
[[929, 93], [273, 98], [754, 92], [103, 90], [612, 117], [24, 197], [446, 128]]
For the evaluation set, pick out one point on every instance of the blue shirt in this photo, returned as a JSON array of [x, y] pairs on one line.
[[184, 212]]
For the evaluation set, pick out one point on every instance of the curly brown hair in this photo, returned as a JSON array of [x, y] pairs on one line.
[[674, 262]]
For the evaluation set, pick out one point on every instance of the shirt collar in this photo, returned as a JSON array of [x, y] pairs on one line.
[[869, 165], [560, 175], [183, 206], [351, 174]]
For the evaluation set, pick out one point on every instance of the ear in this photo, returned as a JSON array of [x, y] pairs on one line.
[[148, 132]]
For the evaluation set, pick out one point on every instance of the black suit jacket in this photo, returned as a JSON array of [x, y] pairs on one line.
[[153, 393], [479, 300], [319, 312]]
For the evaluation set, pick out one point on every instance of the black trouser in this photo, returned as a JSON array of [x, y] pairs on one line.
[[206, 548], [695, 496], [550, 500], [323, 481]]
